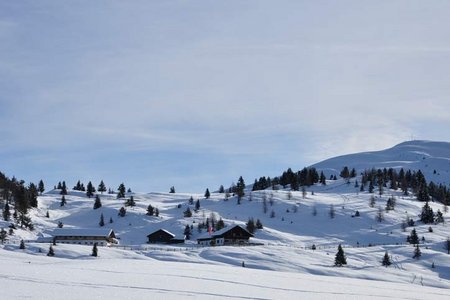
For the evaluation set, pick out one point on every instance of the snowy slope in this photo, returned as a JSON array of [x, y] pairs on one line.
[[289, 232], [428, 156], [41, 277]]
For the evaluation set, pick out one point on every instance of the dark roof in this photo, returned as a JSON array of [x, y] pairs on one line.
[[216, 234], [163, 230]]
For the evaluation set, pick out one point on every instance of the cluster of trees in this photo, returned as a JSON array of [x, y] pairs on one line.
[[20, 197], [305, 177], [252, 225], [211, 223], [152, 211]]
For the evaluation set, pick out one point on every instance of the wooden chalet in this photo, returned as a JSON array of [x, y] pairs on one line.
[[232, 235], [162, 236], [81, 236]]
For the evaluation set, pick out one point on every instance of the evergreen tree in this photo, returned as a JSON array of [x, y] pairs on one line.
[[439, 217], [122, 212], [60, 224], [427, 215], [207, 194], [97, 202], [322, 179], [102, 221], [156, 212], [172, 190], [250, 225], [413, 238], [3, 235], [63, 188], [130, 202], [197, 205], [111, 220], [59, 186], [259, 225], [63, 201], [101, 187], [372, 201], [90, 190], [221, 189], [187, 232], [220, 224], [447, 245], [41, 187], [121, 189], [386, 260], [187, 213], [22, 245], [345, 173], [340, 259], [50, 251], [150, 210], [47, 215], [191, 200], [6, 212], [94, 250], [417, 252]]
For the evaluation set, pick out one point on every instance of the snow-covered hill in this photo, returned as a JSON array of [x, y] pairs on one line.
[[293, 223], [432, 158]]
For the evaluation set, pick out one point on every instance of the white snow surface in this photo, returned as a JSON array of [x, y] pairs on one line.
[[432, 158]]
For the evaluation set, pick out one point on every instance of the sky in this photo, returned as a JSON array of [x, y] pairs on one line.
[[194, 94]]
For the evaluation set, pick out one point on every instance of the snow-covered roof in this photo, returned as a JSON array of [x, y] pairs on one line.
[[219, 232], [89, 232]]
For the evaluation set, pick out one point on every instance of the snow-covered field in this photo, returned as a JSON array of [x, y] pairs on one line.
[[283, 266], [116, 275]]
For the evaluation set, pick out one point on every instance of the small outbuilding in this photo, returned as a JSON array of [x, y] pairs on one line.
[[162, 236], [232, 235]]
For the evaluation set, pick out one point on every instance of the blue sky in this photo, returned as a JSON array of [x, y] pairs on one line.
[[196, 93]]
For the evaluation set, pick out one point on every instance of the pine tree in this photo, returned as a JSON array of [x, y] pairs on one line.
[[94, 250], [50, 251], [187, 232], [6, 212], [90, 190], [447, 245], [207, 194], [427, 215], [250, 225], [111, 220], [102, 221], [372, 201], [121, 189], [22, 245], [340, 259], [60, 224], [130, 202], [63, 188], [63, 201], [41, 187], [197, 205], [101, 187], [47, 215], [439, 217], [172, 190], [122, 212], [150, 210], [156, 212], [187, 213], [97, 202], [259, 225], [3, 235], [413, 238], [221, 189], [220, 224], [417, 252], [191, 200], [386, 260]]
